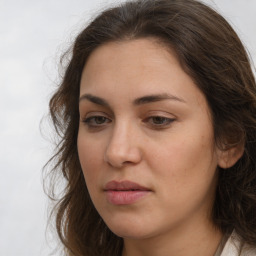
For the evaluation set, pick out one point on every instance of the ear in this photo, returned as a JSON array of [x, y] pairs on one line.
[[229, 156]]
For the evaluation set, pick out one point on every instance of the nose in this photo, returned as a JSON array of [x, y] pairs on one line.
[[123, 147]]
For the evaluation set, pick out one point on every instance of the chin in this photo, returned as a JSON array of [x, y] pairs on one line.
[[131, 234], [130, 231]]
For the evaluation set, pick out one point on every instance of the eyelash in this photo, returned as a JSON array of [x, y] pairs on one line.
[[167, 121], [91, 122]]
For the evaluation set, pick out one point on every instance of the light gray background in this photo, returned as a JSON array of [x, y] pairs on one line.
[[32, 36]]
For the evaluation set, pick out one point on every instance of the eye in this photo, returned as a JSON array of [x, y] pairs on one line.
[[96, 121], [159, 121]]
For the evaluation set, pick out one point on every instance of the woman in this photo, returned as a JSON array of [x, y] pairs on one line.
[[156, 113]]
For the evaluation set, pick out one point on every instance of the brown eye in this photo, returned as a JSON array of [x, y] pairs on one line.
[[160, 120], [93, 121], [100, 119]]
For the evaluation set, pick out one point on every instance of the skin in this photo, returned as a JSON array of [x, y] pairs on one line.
[[166, 145]]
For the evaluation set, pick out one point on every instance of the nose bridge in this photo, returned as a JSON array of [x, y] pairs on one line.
[[120, 132], [123, 146]]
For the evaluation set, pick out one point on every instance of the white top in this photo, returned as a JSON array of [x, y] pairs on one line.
[[235, 247]]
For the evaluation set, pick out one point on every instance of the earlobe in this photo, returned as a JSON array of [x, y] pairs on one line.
[[228, 157]]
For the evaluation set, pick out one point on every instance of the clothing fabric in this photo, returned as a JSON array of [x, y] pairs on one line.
[[236, 247]]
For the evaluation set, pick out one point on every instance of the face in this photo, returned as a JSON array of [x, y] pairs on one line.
[[145, 141]]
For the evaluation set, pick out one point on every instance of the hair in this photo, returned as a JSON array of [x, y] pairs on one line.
[[212, 54]]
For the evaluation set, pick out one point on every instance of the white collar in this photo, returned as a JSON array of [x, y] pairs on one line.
[[236, 247]]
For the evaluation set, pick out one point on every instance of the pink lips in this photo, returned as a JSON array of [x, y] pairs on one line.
[[125, 192]]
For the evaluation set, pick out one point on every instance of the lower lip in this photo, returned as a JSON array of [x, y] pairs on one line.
[[125, 197]]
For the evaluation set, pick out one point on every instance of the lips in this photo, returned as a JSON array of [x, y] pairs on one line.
[[124, 186], [124, 192]]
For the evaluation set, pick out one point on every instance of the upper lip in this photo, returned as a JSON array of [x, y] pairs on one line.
[[124, 186]]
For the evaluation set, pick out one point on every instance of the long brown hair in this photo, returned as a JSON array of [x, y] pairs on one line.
[[211, 53]]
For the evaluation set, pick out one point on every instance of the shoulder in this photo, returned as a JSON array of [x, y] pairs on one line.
[[236, 247]]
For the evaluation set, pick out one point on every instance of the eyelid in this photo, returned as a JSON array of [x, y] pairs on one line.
[[166, 122], [161, 114], [89, 119], [93, 114]]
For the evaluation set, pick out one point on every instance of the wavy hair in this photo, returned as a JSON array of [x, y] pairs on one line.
[[209, 51]]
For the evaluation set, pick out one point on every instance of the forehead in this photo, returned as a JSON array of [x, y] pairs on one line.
[[138, 52], [140, 67]]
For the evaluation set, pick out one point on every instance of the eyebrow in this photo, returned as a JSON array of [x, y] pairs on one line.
[[156, 97], [94, 99], [139, 101]]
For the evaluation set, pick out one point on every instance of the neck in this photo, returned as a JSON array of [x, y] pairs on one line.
[[186, 240]]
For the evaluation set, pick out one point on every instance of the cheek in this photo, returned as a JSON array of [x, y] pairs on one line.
[[186, 176], [186, 162], [90, 156]]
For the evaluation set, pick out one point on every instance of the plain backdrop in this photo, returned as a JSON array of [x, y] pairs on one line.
[[33, 34]]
